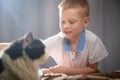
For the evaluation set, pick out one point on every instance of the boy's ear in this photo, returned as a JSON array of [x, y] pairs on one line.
[[28, 37], [86, 21]]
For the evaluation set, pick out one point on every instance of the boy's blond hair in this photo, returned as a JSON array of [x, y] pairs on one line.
[[65, 4]]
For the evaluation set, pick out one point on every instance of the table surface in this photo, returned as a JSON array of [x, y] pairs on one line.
[[94, 76]]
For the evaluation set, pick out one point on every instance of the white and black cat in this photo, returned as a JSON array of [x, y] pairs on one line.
[[33, 47]]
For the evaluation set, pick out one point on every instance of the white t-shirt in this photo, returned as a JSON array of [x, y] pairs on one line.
[[90, 50]]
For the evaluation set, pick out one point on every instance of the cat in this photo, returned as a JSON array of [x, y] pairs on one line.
[[32, 47]]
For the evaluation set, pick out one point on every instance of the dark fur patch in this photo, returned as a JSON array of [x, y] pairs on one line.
[[35, 49], [15, 50], [1, 66]]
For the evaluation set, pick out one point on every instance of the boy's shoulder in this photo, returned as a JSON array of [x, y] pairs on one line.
[[90, 35], [56, 37]]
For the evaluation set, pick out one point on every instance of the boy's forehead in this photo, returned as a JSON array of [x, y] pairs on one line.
[[79, 11]]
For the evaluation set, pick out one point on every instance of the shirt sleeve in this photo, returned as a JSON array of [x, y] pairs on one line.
[[97, 51], [51, 45], [48, 46]]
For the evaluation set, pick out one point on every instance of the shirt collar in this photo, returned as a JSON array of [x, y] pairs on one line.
[[80, 45]]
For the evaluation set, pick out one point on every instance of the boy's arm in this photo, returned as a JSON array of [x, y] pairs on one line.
[[4, 45], [92, 68]]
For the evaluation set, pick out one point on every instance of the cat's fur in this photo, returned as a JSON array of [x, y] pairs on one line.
[[29, 45]]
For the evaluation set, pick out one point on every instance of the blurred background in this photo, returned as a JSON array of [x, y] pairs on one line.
[[40, 17]]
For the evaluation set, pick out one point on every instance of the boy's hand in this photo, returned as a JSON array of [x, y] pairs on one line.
[[58, 69], [46, 71]]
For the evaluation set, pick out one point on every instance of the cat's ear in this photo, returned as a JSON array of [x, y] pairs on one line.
[[28, 37]]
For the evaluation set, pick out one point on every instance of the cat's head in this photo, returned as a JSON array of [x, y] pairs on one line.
[[33, 47]]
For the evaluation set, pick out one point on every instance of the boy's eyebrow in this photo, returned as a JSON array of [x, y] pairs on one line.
[[72, 19], [69, 19]]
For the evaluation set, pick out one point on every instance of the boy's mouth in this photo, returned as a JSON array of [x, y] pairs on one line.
[[67, 32]]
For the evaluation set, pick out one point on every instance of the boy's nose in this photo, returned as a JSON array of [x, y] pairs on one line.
[[66, 25]]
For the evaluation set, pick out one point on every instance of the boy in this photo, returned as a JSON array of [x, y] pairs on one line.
[[75, 49]]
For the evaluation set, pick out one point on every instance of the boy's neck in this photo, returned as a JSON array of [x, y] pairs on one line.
[[74, 43]]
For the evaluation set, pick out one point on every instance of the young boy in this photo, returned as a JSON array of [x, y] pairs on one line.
[[75, 49]]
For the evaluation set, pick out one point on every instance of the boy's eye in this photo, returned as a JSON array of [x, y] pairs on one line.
[[71, 22]]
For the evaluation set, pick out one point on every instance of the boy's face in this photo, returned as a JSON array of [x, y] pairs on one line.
[[72, 22]]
